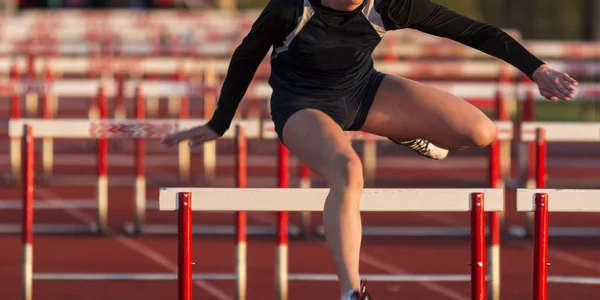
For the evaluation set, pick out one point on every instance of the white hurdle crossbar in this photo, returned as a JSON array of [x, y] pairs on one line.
[[541, 133], [504, 133], [241, 200], [541, 202]]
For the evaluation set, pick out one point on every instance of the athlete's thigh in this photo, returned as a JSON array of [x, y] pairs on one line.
[[319, 142], [405, 109]]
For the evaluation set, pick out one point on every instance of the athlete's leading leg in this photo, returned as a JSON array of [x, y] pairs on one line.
[[321, 144], [404, 109]]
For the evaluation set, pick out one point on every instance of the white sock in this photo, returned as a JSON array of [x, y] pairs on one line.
[[348, 295]]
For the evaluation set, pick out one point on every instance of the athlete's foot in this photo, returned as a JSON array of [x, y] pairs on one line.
[[424, 148], [361, 294]]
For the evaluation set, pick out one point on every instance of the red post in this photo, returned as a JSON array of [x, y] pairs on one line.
[[540, 247], [478, 263], [30, 66], [540, 170], [102, 142], [46, 105], [283, 183], [241, 178], [494, 223], [27, 220], [184, 272], [304, 176], [500, 105], [28, 183], [494, 182], [282, 221], [241, 218], [102, 166], [140, 142], [15, 98], [184, 107], [529, 116]]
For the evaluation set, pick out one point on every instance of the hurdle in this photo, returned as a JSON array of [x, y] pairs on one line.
[[541, 202], [105, 129], [97, 93], [541, 133], [27, 233], [241, 200], [504, 133], [28, 174], [244, 129]]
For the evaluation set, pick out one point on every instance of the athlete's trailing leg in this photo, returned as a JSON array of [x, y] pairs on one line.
[[321, 144]]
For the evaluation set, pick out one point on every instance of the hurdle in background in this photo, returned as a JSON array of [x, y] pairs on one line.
[[186, 200], [27, 230], [177, 92], [97, 93], [42, 128], [541, 133], [138, 129], [541, 202], [253, 129]]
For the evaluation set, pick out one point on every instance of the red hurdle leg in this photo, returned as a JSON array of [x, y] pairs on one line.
[[102, 189], [15, 103], [241, 218], [140, 165], [477, 247], [540, 247], [494, 249], [27, 221], [184, 274], [540, 170], [282, 249]]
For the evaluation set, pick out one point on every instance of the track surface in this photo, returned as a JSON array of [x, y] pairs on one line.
[[157, 254]]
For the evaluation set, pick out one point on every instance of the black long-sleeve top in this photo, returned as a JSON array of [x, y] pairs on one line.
[[281, 24]]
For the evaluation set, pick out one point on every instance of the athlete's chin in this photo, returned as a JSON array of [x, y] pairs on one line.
[[354, 2]]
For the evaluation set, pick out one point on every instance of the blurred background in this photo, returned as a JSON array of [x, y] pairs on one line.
[[84, 60], [536, 19]]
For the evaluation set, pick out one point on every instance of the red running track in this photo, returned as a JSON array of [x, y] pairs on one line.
[[117, 253]]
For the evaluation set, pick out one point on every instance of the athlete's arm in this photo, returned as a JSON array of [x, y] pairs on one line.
[[274, 23], [434, 19]]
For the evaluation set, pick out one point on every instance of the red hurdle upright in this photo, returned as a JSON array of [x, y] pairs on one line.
[[478, 262], [540, 248], [27, 222], [102, 188]]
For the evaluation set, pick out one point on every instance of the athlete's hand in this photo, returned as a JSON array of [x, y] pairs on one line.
[[554, 85], [195, 136]]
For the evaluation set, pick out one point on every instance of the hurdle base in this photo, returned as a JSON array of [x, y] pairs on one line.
[[521, 232], [52, 228], [127, 276], [167, 229], [412, 231], [387, 277]]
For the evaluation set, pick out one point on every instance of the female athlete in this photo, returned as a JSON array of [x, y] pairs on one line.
[[324, 83]]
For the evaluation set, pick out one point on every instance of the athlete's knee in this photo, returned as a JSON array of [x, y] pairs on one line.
[[345, 173], [482, 133]]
